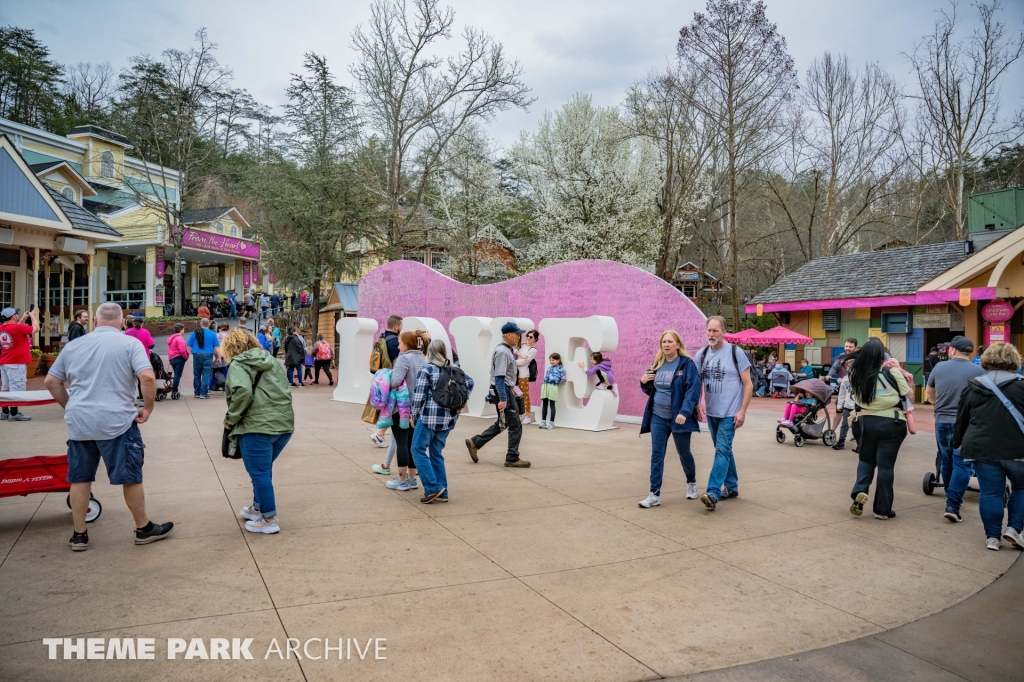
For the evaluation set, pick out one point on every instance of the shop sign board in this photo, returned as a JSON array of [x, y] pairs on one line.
[[956, 322], [218, 243], [940, 309], [931, 321], [997, 311], [158, 295]]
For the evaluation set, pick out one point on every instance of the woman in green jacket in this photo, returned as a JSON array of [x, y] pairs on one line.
[[260, 418]]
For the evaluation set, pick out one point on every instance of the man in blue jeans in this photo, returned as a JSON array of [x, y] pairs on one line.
[[725, 373], [946, 382], [204, 346]]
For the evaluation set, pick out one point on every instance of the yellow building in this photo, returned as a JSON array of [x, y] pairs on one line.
[[91, 170]]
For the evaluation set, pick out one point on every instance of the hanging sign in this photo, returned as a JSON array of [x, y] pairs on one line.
[[271, 276], [160, 265], [997, 311], [956, 322], [965, 297], [158, 295], [927, 321], [940, 309], [246, 277], [760, 309]]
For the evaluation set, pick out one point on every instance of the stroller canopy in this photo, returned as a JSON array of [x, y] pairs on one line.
[[816, 387]]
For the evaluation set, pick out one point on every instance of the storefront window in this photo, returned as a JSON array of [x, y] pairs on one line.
[[219, 228], [6, 288]]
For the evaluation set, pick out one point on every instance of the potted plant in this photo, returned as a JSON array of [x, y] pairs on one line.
[[46, 361], [30, 370]]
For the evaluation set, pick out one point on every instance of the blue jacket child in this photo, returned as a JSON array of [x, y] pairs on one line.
[[686, 388]]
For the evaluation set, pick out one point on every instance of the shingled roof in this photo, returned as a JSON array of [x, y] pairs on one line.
[[891, 272], [80, 218]]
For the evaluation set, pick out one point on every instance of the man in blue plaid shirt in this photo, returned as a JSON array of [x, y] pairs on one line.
[[431, 425]]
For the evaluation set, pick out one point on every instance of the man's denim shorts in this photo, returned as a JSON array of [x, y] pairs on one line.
[[122, 455]]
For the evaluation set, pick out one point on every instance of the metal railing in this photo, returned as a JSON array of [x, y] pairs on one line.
[[128, 298]]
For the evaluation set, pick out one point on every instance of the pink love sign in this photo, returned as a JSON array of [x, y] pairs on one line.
[[997, 311], [642, 305]]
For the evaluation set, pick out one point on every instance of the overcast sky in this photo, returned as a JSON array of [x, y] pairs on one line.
[[595, 46]]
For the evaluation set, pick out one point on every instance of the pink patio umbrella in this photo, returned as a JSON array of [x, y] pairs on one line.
[[740, 337], [774, 337]]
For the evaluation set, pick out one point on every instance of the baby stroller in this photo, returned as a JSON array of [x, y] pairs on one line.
[[779, 381], [808, 426], [163, 378]]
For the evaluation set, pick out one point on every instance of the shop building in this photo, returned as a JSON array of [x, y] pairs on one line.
[[911, 298], [100, 184]]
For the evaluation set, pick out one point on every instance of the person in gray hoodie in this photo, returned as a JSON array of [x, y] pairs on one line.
[[412, 347], [989, 434]]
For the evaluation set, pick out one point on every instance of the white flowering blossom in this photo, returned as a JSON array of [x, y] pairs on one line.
[[593, 185]]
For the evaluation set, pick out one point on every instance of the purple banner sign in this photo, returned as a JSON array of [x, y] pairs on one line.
[[245, 274], [160, 267], [218, 243]]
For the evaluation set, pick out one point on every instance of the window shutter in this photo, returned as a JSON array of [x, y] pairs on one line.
[[831, 320]]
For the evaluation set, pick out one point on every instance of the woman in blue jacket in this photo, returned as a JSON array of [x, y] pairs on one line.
[[673, 387]]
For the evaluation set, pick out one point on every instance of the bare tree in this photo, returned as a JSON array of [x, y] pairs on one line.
[[168, 107], [91, 87], [837, 173], [660, 109], [959, 82], [746, 76], [418, 102]]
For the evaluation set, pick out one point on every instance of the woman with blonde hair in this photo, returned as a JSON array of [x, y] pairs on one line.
[[673, 387], [989, 432], [260, 419]]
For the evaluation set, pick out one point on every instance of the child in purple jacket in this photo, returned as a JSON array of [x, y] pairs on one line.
[[603, 369]]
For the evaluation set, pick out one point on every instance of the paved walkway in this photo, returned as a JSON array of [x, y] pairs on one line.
[[550, 573]]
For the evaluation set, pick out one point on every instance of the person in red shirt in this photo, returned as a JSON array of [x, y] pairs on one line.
[[15, 354], [203, 311]]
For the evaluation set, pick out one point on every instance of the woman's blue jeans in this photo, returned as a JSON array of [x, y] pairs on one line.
[[202, 365], [430, 468], [178, 365], [992, 477], [660, 428], [259, 450]]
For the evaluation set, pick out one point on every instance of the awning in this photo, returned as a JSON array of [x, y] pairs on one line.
[[774, 337]]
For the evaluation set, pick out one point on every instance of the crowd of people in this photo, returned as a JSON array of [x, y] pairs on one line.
[[419, 391]]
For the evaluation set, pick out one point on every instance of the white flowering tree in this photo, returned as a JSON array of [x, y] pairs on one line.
[[594, 187]]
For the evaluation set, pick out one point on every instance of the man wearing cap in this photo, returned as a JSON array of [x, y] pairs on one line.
[[15, 354], [946, 382], [504, 376]]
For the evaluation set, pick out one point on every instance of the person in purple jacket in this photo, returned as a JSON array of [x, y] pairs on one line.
[[602, 367]]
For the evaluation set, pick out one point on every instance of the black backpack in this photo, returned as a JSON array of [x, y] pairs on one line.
[[533, 370], [451, 390]]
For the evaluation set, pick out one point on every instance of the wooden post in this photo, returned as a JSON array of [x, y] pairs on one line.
[[35, 288], [60, 310], [72, 309], [46, 300]]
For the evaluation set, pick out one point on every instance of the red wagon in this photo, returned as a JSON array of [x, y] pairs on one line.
[[29, 475]]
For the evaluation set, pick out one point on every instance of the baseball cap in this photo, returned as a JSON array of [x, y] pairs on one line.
[[8, 312], [962, 344], [511, 328]]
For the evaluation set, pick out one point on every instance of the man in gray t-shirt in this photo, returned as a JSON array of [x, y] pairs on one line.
[[94, 380], [504, 378], [946, 382], [725, 373]]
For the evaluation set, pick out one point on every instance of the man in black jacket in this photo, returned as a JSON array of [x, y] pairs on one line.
[[77, 327], [294, 355]]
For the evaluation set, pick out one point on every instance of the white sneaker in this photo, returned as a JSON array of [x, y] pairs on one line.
[[396, 484], [651, 500], [378, 441], [542, 424], [691, 491], [250, 513], [993, 544], [262, 526], [527, 420], [551, 425], [1014, 538]]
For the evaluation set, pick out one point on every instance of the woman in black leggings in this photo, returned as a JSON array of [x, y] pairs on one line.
[[879, 426], [322, 356]]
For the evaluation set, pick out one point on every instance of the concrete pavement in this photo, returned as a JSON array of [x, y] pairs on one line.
[[549, 573]]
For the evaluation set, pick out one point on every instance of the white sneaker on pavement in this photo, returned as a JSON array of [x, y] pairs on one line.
[[378, 441], [993, 544], [395, 484], [527, 420], [651, 500], [262, 526], [691, 491], [250, 513], [1014, 538]]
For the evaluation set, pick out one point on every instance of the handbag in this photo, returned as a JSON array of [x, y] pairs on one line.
[[229, 448], [985, 381]]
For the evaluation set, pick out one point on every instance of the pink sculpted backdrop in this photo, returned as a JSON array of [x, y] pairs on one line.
[[642, 305]]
